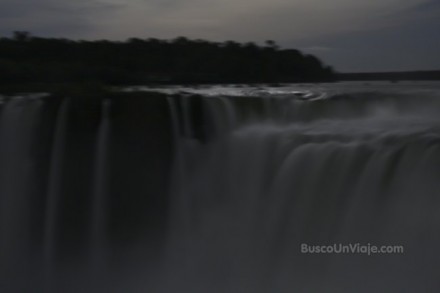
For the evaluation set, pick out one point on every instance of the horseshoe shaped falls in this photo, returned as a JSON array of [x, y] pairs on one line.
[[211, 189]]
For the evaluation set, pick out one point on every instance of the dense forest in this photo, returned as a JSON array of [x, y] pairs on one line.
[[390, 76], [28, 59]]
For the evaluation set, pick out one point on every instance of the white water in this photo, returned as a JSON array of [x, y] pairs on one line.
[[259, 190]]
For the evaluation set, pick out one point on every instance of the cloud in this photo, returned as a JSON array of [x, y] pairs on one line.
[[258, 20], [428, 6], [52, 17], [350, 34], [413, 45], [243, 20], [317, 49]]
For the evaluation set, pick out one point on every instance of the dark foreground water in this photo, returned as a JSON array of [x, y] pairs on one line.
[[228, 190]]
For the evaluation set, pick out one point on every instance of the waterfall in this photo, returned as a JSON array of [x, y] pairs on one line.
[[263, 186], [54, 194], [140, 192], [99, 205], [18, 174]]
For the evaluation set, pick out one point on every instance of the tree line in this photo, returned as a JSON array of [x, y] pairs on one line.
[[29, 59]]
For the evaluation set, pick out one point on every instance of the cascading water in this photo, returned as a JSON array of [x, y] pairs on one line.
[[219, 191]]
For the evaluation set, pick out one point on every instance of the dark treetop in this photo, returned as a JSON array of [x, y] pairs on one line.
[[28, 59]]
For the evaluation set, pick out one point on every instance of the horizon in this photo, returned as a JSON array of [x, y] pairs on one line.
[[350, 36]]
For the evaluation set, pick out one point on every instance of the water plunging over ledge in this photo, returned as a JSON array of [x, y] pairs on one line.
[[216, 189]]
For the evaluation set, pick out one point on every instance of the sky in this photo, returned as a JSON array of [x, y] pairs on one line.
[[349, 35]]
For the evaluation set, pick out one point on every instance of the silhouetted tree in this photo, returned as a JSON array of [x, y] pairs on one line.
[[21, 36], [271, 44]]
